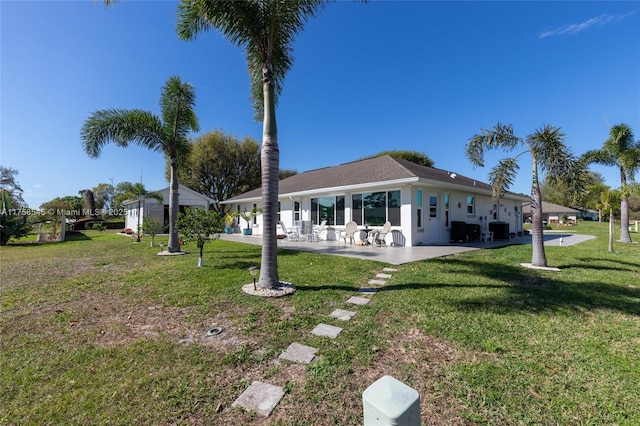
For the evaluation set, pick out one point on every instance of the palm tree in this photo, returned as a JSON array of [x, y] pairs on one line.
[[548, 154], [608, 199], [166, 134], [265, 30], [619, 151]]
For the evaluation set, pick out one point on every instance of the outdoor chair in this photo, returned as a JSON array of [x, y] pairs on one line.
[[318, 230], [349, 231], [292, 234], [379, 236], [307, 230]]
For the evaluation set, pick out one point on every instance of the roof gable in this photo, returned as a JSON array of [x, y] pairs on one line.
[[165, 194], [549, 208]]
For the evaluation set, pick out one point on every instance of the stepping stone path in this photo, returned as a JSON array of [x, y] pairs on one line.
[[342, 315], [262, 398], [299, 353], [326, 331], [358, 300]]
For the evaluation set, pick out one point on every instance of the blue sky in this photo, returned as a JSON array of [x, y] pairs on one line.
[[422, 76]]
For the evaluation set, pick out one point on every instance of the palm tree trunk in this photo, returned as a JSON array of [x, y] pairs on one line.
[[270, 158], [611, 230], [625, 236], [538, 257], [174, 205]]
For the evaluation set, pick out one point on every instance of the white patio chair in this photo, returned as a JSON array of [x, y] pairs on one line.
[[379, 236], [307, 230], [292, 234], [318, 230], [349, 231]]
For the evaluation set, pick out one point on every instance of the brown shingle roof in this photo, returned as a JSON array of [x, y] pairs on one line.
[[369, 171]]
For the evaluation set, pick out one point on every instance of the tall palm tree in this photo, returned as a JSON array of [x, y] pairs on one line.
[[619, 151], [608, 199], [166, 134], [548, 154], [265, 30]]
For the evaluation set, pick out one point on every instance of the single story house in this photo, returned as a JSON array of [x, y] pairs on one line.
[[588, 214], [421, 203], [552, 213], [150, 207]]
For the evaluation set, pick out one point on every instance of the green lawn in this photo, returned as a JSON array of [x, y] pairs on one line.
[[100, 330]]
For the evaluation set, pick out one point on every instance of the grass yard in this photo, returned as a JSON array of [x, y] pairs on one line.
[[99, 330]]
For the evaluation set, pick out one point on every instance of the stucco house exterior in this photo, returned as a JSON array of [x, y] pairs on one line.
[[421, 202], [552, 213], [150, 207]]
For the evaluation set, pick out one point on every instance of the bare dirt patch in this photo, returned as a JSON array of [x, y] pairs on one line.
[[422, 357]]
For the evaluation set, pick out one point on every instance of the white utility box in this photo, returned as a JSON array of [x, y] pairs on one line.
[[388, 401]]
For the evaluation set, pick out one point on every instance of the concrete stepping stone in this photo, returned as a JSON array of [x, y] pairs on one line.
[[325, 330], [381, 275], [367, 290], [260, 397], [355, 300], [389, 269], [342, 314], [299, 353], [377, 282]]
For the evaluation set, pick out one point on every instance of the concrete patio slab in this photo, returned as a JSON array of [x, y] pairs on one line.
[[390, 270], [377, 282], [342, 314], [299, 353], [403, 255], [260, 397], [355, 300], [367, 290], [325, 330], [381, 275]]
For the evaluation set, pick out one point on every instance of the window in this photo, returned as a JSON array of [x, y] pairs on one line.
[[296, 211], [446, 209], [278, 211], [393, 207], [375, 208], [356, 210], [433, 205], [255, 218], [329, 209], [419, 208], [471, 205]]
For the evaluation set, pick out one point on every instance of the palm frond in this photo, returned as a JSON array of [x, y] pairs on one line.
[[557, 160], [548, 147], [598, 156], [121, 127], [502, 176], [620, 139], [177, 102], [501, 136], [264, 29]]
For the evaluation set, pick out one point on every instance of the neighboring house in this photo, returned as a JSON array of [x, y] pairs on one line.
[[588, 214], [552, 213], [420, 202], [150, 207]]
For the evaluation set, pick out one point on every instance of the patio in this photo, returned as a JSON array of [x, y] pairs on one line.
[[400, 255]]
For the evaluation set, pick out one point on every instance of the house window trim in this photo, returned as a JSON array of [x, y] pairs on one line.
[[419, 209], [362, 220], [471, 206]]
